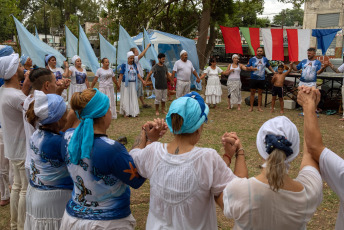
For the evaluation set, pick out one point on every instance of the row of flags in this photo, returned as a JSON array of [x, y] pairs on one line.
[[32, 46], [298, 41]]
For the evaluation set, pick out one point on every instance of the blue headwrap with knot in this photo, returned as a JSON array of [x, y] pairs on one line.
[[6, 51], [278, 142], [81, 143], [48, 57], [23, 59], [192, 109]]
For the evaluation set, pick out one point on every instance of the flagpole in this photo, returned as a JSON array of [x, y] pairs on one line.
[[16, 36]]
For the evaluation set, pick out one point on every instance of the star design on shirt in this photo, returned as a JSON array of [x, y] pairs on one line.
[[132, 171]]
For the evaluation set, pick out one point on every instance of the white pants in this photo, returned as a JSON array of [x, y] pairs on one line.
[[308, 84], [4, 172], [182, 88], [160, 96], [18, 194], [73, 223]]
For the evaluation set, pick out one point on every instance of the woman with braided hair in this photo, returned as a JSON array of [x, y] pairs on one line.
[[272, 199]]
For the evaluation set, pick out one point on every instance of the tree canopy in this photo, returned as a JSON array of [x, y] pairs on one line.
[[288, 17]]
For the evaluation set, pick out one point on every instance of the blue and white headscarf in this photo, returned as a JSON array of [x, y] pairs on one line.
[[6, 50], [192, 109], [81, 143], [48, 57], [48, 107], [23, 59]]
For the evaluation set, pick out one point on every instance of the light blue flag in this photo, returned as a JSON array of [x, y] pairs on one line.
[[71, 43], [37, 36], [151, 53], [35, 48], [125, 42], [107, 50], [324, 38], [86, 52]]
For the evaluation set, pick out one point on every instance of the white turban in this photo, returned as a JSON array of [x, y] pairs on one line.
[[182, 52], [279, 126], [9, 66], [130, 53], [76, 57]]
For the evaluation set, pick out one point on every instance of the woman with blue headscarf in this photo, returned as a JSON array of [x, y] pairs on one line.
[[184, 179], [128, 79], [50, 185], [26, 62], [101, 169], [272, 199]]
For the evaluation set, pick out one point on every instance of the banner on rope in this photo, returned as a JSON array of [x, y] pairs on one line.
[[298, 43], [232, 39], [71, 43], [107, 50], [35, 48], [251, 36], [273, 44], [324, 38], [86, 52]]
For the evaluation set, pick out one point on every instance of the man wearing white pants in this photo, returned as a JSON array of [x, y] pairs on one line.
[[4, 175], [11, 118], [184, 69], [340, 69]]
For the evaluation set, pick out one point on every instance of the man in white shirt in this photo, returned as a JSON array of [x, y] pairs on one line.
[[331, 165], [11, 106], [184, 69], [137, 59], [340, 69]]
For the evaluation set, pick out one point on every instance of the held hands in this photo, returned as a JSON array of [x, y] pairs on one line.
[[231, 143], [291, 64], [198, 80], [326, 63], [63, 83], [155, 129], [308, 96]]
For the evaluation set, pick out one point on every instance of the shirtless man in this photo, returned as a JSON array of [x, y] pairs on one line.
[[277, 89]]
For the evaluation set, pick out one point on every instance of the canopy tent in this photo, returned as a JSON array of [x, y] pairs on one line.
[[171, 45]]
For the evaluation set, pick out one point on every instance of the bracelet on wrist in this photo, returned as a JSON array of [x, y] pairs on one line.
[[240, 150]]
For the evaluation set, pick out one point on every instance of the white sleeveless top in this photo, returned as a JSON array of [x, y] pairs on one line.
[[234, 76]]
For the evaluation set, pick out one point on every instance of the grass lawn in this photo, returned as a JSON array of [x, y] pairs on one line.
[[246, 125]]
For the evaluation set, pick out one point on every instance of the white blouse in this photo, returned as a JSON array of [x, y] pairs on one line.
[[253, 205], [182, 187], [213, 72]]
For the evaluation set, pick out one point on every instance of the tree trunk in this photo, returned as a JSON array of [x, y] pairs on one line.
[[211, 41], [203, 33]]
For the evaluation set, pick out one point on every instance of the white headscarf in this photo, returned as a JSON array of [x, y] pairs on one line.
[[235, 55], [76, 57], [182, 52], [279, 126], [130, 53], [9, 66]]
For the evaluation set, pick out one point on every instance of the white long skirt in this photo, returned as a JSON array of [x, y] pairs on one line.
[[73, 88], [73, 223], [234, 89], [110, 92], [129, 104], [213, 91], [45, 208]]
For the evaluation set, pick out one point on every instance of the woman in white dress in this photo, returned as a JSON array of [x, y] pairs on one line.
[[233, 82], [50, 185], [106, 77], [184, 179], [79, 81], [272, 199], [213, 90], [128, 77]]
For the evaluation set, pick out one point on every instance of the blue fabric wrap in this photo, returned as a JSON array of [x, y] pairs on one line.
[[23, 59], [324, 37], [278, 142], [192, 109], [56, 109], [126, 77], [48, 57], [6, 51], [81, 143]]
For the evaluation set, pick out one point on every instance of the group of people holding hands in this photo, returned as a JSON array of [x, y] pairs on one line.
[[81, 179]]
